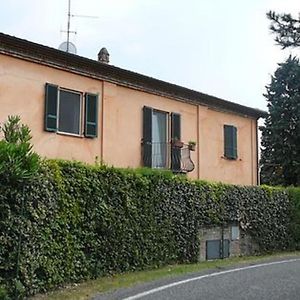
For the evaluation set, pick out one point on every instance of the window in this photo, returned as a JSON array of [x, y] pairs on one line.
[[69, 109], [157, 149], [64, 111], [230, 142]]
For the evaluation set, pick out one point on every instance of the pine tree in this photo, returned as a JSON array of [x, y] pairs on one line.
[[286, 29], [280, 160]]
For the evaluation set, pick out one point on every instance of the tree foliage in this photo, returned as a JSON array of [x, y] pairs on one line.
[[18, 161], [280, 158], [286, 28]]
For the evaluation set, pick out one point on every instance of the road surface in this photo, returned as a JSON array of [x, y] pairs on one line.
[[262, 281]]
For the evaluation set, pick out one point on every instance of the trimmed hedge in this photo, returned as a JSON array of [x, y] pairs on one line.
[[294, 195], [87, 221]]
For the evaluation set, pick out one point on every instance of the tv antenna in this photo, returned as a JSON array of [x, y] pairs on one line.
[[68, 46]]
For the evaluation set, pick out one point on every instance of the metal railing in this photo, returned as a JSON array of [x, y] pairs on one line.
[[167, 156]]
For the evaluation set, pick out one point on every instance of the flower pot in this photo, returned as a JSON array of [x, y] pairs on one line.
[[192, 147]]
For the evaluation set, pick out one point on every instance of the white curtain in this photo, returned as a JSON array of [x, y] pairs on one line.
[[159, 140]]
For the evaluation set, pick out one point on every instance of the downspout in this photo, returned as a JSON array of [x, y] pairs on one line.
[[102, 124], [198, 142], [252, 153], [257, 156]]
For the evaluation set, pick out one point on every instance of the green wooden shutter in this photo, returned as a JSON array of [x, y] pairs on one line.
[[175, 135], [51, 94], [91, 115], [147, 136], [230, 141], [234, 142]]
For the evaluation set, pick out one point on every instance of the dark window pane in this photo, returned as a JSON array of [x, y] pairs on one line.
[[230, 141], [69, 112]]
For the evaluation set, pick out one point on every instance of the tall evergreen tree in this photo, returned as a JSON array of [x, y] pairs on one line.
[[286, 28], [280, 160]]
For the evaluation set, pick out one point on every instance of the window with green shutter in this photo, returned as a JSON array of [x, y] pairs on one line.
[[230, 142], [64, 112], [69, 112], [158, 148]]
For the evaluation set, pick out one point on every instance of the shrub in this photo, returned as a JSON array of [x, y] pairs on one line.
[[294, 194], [17, 159], [87, 221], [3, 293]]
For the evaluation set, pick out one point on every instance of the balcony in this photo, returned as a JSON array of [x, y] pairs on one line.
[[167, 156]]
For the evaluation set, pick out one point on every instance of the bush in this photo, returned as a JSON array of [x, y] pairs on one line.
[[294, 194], [3, 293], [87, 221], [18, 162]]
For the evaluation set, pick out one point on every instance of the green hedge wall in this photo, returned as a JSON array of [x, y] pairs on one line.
[[87, 221]]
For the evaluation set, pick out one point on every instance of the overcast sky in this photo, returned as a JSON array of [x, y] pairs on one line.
[[219, 47]]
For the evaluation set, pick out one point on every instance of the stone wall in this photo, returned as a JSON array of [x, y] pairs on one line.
[[239, 242]]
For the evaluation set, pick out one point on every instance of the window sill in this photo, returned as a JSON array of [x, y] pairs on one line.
[[70, 134], [231, 159]]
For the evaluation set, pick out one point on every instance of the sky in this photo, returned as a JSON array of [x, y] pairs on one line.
[[219, 47]]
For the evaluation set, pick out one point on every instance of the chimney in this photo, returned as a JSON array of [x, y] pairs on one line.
[[103, 56]]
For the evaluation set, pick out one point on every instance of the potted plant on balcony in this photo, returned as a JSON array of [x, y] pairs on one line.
[[192, 145], [177, 143]]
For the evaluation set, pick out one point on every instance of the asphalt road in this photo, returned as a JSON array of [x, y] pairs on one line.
[[262, 281]]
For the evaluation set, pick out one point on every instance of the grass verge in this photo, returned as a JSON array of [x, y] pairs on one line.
[[87, 289]]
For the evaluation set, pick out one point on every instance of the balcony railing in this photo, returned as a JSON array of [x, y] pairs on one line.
[[167, 156]]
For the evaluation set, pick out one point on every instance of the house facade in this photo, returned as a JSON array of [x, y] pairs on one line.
[[86, 110]]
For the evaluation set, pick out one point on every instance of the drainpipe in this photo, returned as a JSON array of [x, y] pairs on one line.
[[198, 142], [102, 124], [257, 156]]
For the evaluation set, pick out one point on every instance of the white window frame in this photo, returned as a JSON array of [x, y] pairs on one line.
[[80, 113], [168, 152]]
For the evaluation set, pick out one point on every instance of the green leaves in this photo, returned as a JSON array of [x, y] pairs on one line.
[[14, 132], [286, 28], [18, 162], [85, 221], [280, 156]]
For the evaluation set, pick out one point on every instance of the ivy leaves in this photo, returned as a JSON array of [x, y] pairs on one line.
[[85, 221]]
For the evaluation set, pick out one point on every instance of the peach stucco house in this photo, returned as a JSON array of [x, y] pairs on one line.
[[83, 109]]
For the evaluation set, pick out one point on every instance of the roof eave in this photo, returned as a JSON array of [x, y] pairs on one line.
[[74, 63]]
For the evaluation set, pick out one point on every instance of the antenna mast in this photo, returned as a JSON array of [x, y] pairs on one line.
[[68, 31], [68, 27]]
